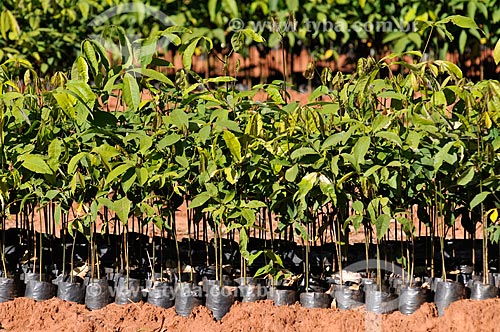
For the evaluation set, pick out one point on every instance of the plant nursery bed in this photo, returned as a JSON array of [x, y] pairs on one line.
[[24, 314]]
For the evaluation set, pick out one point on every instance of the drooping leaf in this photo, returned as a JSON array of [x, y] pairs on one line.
[[382, 225], [122, 209]]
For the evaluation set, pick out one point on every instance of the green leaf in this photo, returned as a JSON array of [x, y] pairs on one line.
[[57, 214], [496, 52], [301, 230], [156, 75], [244, 243], [462, 41], [221, 79], [106, 151], [117, 171], [358, 207], [51, 194], [74, 161], [413, 139], [142, 175], [253, 35], [231, 6], [168, 141], [382, 225], [233, 144], [83, 91], [66, 101], [441, 155], [466, 176], [183, 161], [253, 204], [180, 118], [292, 5], [212, 9], [360, 149], [80, 70], [55, 149], [332, 140], [36, 164], [90, 55], [128, 179], [381, 121], [187, 55], [291, 173], [199, 200], [390, 136], [122, 209], [300, 152], [461, 21], [266, 269], [478, 199], [237, 41], [131, 92], [249, 216], [306, 184]]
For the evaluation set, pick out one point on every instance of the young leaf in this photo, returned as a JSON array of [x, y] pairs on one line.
[[187, 56], [237, 41], [253, 35], [131, 92]]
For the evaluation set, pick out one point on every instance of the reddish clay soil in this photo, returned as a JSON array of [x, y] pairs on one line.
[[25, 314]]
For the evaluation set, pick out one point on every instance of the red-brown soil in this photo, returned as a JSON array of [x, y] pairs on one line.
[[25, 314]]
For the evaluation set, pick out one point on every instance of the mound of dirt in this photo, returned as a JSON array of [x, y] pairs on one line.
[[24, 314]]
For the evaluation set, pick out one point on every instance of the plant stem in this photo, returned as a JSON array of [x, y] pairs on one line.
[[72, 258], [379, 276], [3, 246], [41, 246]]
